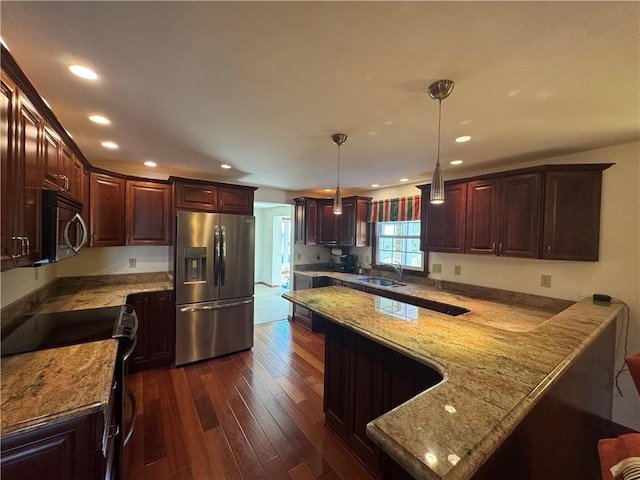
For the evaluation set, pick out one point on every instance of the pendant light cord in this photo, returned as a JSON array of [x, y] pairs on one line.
[[338, 186], [439, 123]]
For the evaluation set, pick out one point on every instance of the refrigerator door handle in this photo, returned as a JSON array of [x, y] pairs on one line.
[[216, 254], [215, 307], [223, 254]]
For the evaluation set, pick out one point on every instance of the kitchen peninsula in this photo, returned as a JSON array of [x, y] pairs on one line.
[[494, 374]]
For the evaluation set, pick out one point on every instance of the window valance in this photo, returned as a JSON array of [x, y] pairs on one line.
[[401, 209]]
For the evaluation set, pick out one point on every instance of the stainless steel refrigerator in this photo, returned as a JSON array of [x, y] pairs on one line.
[[214, 262]]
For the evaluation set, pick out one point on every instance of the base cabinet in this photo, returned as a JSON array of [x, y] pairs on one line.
[[302, 315], [77, 449], [156, 330], [363, 380]]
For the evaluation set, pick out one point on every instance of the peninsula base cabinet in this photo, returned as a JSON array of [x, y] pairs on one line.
[[363, 380], [156, 330], [304, 316]]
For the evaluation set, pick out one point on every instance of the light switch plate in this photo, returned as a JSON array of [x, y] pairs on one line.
[[132, 263], [457, 270], [545, 281]]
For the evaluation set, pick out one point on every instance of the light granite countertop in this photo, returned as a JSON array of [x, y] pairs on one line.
[[96, 295], [494, 372], [48, 386], [51, 386]]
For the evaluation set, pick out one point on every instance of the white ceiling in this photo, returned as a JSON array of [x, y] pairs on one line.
[[262, 85]]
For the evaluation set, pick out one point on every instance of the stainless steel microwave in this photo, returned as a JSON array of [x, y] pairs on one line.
[[64, 231]]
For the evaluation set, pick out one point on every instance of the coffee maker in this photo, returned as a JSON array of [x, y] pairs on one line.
[[347, 263]]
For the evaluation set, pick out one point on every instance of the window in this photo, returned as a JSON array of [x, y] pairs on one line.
[[399, 242]]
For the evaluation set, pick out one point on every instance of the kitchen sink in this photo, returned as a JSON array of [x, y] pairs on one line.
[[383, 282]]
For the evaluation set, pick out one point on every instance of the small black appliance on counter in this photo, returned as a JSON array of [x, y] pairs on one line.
[[347, 263]]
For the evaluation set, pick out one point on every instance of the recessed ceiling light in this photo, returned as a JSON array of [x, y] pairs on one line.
[[374, 185], [83, 72], [225, 166], [110, 145], [150, 163], [327, 189], [388, 122], [462, 139], [99, 119], [373, 132], [456, 162], [404, 180]]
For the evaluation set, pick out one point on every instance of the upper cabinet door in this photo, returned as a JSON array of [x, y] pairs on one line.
[[7, 157], [306, 221], [328, 223], [347, 230], [107, 218], [235, 200], [520, 215], [148, 213], [195, 196], [445, 223], [503, 215], [572, 214], [483, 214]]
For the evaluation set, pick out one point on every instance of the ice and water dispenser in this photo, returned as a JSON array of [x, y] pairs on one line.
[[195, 264]]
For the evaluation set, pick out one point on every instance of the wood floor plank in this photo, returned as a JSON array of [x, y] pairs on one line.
[[255, 414], [206, 413], [220, 394], [301, 472], [204, 463], [173, 437], [153, 434]]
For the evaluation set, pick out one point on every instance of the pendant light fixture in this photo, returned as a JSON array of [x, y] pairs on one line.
[[338, 139], [438, 91]]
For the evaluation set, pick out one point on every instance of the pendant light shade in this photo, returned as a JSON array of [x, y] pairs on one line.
[[438, 91], [338, 139]]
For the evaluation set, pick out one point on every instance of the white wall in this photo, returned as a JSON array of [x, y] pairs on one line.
[[19, 282]]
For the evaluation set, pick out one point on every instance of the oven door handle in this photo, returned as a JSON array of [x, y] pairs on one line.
[[130, 350], [134, 414]]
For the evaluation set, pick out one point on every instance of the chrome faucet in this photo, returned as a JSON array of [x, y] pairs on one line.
[[397, 266]]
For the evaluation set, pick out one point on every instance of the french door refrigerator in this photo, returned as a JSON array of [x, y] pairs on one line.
[[214, 263]]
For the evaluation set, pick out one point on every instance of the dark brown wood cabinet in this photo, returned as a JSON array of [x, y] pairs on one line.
[[156, 330], [302, 315], [7, 157], [572, 212], [328, 223], [443, 226], [70, 450], [503, 216], [235, 199], [306, 221], [363, 380], [550, 212], [107, 210], [213, 197], [317, 224], [353, 227], [148, 213]]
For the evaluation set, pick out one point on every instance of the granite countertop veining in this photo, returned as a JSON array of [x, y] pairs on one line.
[[96, 295], [50, 386], [494, 373]]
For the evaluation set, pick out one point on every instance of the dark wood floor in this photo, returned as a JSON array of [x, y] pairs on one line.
[[251, 415]]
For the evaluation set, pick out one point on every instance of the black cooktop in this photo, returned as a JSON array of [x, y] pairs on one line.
[[52, 330]]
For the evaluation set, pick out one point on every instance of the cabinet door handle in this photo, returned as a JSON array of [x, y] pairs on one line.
[[500, 248], [493, 247], [21, 246], [26, 241], [66, 183], [114, 430]]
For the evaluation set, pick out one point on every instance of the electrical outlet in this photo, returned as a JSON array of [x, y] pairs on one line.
[[368, 259], [436, 268], [545, 281], [457, 270], [299, 256], [132, 263], [35, 273]]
